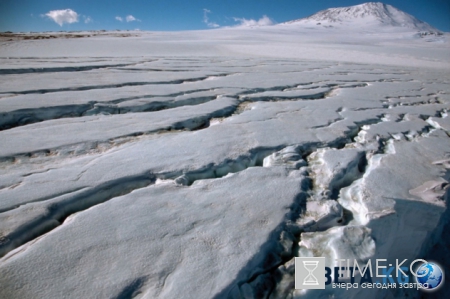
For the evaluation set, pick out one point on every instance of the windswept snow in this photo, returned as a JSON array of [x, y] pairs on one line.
[[199, 164]]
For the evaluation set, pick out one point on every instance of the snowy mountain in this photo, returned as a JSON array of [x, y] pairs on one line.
[[367, 14]]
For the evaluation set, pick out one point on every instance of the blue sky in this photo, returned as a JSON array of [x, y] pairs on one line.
[[168, 15]]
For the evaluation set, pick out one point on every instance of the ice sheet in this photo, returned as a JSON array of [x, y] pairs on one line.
[[199, 164]]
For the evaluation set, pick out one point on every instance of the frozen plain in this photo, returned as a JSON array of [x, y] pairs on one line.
[[199, 164]]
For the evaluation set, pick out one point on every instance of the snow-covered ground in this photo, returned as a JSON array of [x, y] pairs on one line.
[[199, 164]]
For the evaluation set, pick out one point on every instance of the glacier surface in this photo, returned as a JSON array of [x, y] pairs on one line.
[[199, 164]]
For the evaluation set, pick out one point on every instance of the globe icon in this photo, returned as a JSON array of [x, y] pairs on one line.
[[431, 275]]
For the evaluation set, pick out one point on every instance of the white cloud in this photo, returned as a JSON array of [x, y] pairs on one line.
[[87, 19], [130, 18], [63, 16], [206, 19], [264, 21]]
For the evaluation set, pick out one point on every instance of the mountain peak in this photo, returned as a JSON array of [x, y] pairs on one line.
[[370, 13]]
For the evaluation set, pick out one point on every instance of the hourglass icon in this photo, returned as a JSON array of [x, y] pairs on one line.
[[310, 279], [310, 273]]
